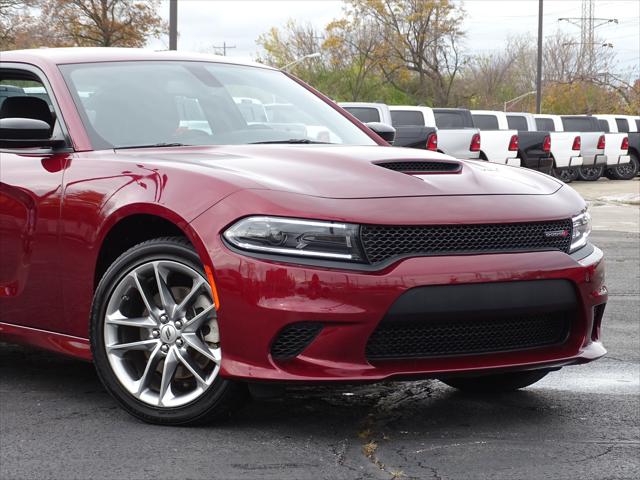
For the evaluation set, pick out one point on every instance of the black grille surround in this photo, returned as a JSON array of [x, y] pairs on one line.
[[414, 339], [385, 242], [417, 167], [293, 339]]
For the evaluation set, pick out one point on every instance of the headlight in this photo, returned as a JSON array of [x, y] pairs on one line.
[[299, 238], [581, 230]]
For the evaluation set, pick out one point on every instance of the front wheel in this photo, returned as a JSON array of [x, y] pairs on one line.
[[590, 173], [502, 382], [155, 339]]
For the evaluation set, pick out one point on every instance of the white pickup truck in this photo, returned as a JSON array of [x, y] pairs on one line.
[[499, 143], [616, 143], [592, 145], [630, 125], [456, 135], [368, 112], [565, 147], [419, 136]]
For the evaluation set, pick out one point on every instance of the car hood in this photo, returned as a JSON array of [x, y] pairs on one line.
[[336, 171]]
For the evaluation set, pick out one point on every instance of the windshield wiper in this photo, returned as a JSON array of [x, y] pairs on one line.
[[291, 140], [153, 145]]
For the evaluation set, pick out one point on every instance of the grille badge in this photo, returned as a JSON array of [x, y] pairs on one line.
[[563, 233]]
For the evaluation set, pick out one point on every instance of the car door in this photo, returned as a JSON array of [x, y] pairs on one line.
[[30, 202]]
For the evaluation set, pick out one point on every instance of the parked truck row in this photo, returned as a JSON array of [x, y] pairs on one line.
[[569, 147]]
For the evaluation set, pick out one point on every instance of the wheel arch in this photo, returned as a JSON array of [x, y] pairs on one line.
[[136, 223]]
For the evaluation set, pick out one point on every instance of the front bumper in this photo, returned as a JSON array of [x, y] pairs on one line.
[[259, 297]]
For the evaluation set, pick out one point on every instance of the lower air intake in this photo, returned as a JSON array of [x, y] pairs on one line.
[[293, 339], [423, 339]]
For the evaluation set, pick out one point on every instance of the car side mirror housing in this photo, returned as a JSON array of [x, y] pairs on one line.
[[26, 132], [386, 132]]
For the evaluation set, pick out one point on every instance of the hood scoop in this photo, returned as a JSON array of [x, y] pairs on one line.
[[422, 167]]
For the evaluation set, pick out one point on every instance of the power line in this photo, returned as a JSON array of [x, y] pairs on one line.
[[223, 47], [588, 23]]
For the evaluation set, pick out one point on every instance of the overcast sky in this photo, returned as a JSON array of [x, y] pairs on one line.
[[203, 24]]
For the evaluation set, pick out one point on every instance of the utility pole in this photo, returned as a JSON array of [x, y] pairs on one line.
[[539, 70], [224, 48], [173, 24], [588, 23]]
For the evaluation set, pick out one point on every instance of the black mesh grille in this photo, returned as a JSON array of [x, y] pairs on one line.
[[421, 339], [421, 166], [383, 242], [293, 339]]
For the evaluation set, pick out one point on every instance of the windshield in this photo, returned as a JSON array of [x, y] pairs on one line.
[[129, 104]]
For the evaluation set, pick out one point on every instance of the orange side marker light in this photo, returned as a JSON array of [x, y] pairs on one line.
[[214, 290]]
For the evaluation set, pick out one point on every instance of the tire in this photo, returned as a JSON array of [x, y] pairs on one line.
[[567, 175], [627, 171], [503, 382], [591, 173], [130, 329]]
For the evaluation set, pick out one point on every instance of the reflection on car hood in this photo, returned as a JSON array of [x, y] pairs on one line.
[[336, 171]]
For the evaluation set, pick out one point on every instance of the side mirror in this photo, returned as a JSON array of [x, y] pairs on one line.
[[386, 132], [26, 132]]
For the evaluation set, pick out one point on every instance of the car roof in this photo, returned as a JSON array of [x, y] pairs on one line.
[[61, 56]]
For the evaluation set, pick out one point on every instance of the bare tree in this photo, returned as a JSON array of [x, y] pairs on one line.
[[102, 23], [13, 16], [422, 36], [355, 48]]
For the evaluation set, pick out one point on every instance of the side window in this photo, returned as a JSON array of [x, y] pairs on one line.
[[623, 124], [545, 125], [364, 114], [23, 95], [516, 122], [450, 120], [407, 118], [604, 125], [485, 122], [580, 124]]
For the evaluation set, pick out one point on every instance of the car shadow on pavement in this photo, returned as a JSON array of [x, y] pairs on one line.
[[366, 409]]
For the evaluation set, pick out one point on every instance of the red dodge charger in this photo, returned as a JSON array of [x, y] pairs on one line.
[[194, 225]]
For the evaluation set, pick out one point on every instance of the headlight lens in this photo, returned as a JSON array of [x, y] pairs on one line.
[[294, 237], [581, 230]]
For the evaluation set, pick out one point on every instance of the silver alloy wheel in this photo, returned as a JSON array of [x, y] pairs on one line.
[[161, 334]]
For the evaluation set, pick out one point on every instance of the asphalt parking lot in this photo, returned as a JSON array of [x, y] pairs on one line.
[[57, 422]]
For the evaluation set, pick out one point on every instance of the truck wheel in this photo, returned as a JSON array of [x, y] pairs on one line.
[[567, 175], [502, 382], [626, 171], [591, 173]]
